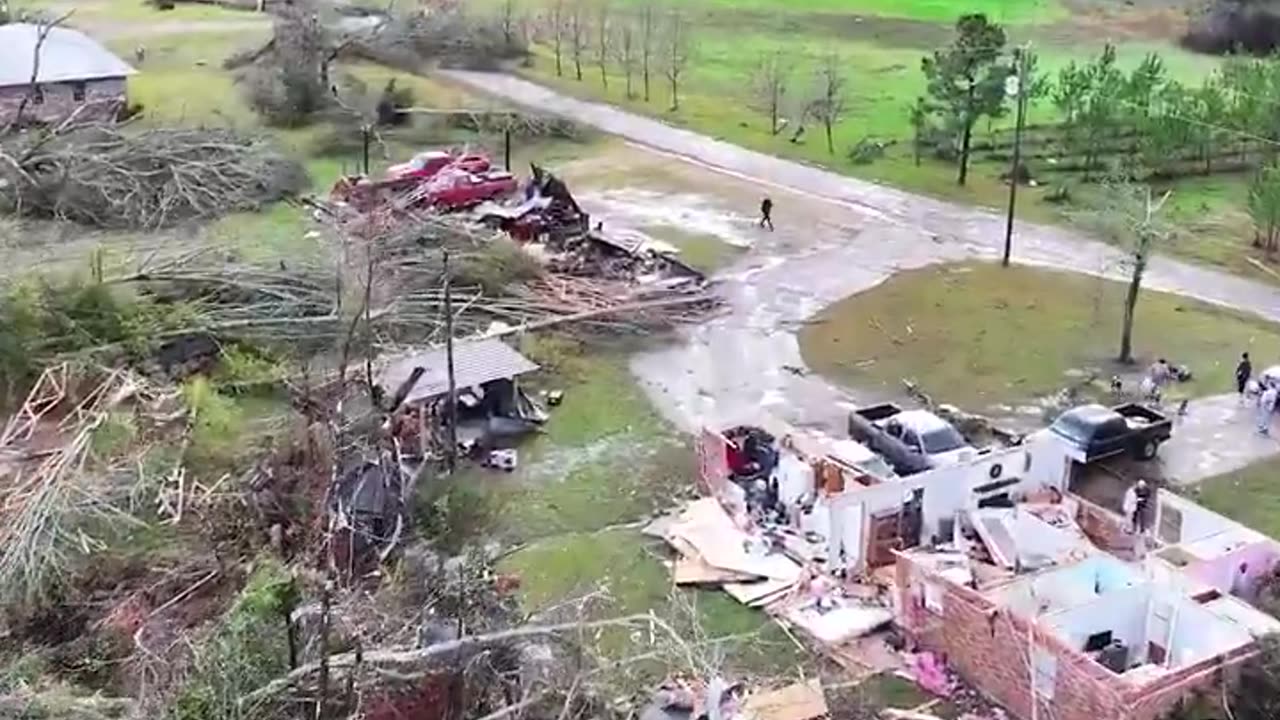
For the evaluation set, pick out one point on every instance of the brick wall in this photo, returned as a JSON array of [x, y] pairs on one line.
[[1105, 529], [989, 647], [102, 101]]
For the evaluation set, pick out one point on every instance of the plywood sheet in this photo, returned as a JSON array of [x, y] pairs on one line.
[[695, 571], [708, 529], [802, 701], [758, 593]]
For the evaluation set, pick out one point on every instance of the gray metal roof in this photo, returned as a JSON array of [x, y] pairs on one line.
[[475, 362], [66, 55]]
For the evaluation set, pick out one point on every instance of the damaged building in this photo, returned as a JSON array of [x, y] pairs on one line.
[[492, 410], [991, 571]]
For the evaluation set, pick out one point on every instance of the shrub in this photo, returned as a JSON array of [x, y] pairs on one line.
[[249, 648], [218, 430]]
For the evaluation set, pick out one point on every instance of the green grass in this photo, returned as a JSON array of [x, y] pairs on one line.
[[980, 336], [1250, 496], [624, 566], [604, 464], [882, 62], [703, 251], [605, 457]]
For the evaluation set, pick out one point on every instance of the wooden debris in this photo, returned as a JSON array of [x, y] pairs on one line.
[[801, 701]]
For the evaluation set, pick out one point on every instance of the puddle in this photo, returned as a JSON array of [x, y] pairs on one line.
[[690, 214]]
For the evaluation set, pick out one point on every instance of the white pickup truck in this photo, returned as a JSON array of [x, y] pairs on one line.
[[911, 440]]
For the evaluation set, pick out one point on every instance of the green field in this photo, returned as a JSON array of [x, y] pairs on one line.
[[992, 337], [1013, 11], [880, 44]]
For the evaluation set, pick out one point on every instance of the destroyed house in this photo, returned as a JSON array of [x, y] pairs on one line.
[[1084, 634], [476, 364], [491, 406], [75, 75], [1042, 601]]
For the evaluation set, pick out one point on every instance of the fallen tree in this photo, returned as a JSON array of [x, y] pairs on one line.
[[112, 177]]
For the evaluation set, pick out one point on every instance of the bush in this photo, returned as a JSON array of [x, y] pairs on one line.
[[218, 431], [248, 649], [45, 318], [1226, 26], [867, 151], [285, 97], [391, 104]]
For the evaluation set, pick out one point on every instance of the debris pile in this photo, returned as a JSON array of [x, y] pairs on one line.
[[112, 177], [587, 275]]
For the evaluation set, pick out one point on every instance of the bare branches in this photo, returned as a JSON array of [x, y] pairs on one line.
[[829, 105], [770, 83], [579, 35], [102, 176], [677, 47]]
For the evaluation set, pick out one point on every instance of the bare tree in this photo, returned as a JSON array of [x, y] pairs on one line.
[[627, 52], [676, 49], [579, 35], [646, 44], [829, 105], [769, 87], [509, 22], [557, 35], [1127, 212], [604, 35]]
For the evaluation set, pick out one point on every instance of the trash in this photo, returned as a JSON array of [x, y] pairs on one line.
[[502, 460], [930, 672]]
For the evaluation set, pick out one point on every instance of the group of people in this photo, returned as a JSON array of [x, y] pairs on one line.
[[1264, 392]]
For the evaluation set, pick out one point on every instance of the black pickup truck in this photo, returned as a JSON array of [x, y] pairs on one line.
[[1101, 432]]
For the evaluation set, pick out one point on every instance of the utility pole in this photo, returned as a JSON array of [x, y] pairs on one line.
[[506, 145], [451, 408], [1021, 79], [364, 144]]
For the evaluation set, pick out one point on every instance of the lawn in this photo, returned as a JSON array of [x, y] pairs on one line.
[[1250, 496], [605, 463], [986, 337], [880, 54]]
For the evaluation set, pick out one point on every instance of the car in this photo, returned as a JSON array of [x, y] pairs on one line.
[[455, 189], [428, 164]]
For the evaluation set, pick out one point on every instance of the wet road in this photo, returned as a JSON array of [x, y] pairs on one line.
[[838, 236]]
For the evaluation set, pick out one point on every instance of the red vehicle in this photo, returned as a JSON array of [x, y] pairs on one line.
[[455, 189], [428, 164]]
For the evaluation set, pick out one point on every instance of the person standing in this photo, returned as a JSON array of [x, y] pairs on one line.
[[1266, 405], [1137, 500], [766, 213], [1244, 371]]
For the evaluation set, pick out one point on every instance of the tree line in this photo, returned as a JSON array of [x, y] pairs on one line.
[[648, 46]]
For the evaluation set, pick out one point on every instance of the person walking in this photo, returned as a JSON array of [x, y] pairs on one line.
[[766, 213], [1244, 371]]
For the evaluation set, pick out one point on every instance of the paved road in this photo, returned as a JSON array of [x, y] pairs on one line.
[[738, 368]]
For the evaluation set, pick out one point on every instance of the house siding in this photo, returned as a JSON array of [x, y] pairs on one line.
[[103, 99]]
